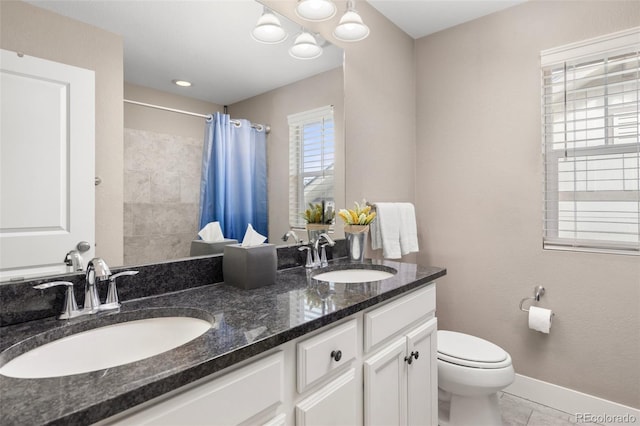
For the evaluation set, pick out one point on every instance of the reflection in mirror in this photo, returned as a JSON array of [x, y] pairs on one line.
[[231, 72]]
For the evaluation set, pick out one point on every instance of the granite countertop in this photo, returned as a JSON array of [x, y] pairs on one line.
[[245, 323]]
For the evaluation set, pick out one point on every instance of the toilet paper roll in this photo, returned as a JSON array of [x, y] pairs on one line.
[[540, 319]]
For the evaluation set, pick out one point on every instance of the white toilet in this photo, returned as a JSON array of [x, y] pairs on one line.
[[471, 371]]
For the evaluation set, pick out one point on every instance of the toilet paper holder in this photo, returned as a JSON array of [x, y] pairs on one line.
[[538, 293]]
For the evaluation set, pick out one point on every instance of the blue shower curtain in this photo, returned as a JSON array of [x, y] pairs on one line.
[[233, 188]]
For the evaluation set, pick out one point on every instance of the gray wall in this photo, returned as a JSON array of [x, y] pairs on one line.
[[479, 201]]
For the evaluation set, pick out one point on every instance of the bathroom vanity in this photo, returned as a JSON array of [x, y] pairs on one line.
[[300, 351]]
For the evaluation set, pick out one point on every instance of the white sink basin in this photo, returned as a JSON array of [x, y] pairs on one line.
[[353, 276], [105, 347]]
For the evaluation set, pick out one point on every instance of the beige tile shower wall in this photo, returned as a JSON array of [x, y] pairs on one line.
[[272, 108], [43, 34], [162, 163], [161, 195], [479, 201]]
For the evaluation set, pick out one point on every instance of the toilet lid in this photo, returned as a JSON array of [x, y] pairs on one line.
[[463, 349]]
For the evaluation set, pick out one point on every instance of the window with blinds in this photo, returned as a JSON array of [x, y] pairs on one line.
[[311, 161], [591, 122]]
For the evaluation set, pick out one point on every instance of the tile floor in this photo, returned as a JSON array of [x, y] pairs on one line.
[[521, 412]]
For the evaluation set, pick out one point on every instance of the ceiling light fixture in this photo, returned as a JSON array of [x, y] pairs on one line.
[[268, 29], [305, 46], [351, 28], [181, 83], [316, 10]]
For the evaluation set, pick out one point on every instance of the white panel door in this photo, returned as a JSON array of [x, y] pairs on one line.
[[385, 386], [47, 139], [422, 375]]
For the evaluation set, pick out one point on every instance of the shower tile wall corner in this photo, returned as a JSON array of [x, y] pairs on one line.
[[161, 195]]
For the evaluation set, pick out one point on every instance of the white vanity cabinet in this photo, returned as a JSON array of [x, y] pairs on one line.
[[400, 375], [376, 367]]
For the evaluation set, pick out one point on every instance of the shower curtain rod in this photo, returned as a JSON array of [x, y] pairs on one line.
[[258, 127]]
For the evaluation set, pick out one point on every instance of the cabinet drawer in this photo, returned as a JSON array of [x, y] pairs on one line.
[[315, 359], [384, 322], [229, 400], [334, 404]]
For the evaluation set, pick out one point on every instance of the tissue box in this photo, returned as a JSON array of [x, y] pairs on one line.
[[249, 267], [201, 248]]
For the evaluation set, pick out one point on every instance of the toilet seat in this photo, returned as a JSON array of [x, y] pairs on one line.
[[470, 351]]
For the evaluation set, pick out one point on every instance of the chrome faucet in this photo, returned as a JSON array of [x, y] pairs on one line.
[[323, 256], [292, 234], [70, 307], [74, 260], [314, 258], [320, 237], [309, 262], [97, 271], [321, 259], [112, 301]]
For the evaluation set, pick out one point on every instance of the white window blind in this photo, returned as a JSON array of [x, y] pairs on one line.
[[311, 161], [591, 122]]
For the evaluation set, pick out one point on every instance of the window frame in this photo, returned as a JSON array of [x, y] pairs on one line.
[[323, 116], [573, 54]]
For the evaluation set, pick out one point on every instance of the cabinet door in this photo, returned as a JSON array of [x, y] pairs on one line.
[[422, 375], [385, 386], [334, 404]]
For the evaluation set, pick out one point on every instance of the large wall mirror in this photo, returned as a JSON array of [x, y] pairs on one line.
[[208, 43]]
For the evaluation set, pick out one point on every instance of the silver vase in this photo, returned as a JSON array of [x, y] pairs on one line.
[[356, 244]]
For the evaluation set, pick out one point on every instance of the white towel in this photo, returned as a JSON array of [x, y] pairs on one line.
[[385, 230], [408, 228], [394, 230]]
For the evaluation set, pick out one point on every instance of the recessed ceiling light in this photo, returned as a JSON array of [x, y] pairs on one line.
[[182, 83]]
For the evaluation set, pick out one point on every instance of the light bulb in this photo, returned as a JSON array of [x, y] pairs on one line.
[[351, 27], [316, 10], [268, 29], [305, 47]]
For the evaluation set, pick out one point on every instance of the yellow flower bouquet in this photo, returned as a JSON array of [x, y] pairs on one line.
[[319, 213], [357, 220]]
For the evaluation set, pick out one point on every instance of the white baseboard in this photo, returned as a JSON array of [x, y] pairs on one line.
[[573, 402]]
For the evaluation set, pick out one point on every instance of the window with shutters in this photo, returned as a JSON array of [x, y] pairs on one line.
[[591, 122], [311, 161]]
